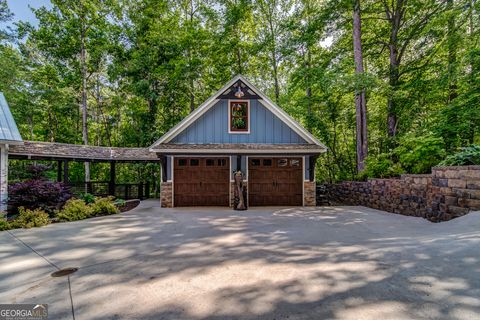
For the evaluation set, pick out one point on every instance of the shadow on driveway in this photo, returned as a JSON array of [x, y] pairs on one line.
[[264, 263]]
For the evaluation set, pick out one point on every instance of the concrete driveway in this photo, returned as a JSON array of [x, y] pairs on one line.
[[265, 263]]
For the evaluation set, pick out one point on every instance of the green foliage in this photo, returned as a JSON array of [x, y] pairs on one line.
[[31, 218], [75, 209], [419, 154], [466, 156], [5, 225], [104, 206], [382, 166], [119, 202], [87, 197], [149, 63]]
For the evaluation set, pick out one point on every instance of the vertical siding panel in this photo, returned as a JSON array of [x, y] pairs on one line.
[[204, 127], [217, 123], [260, 126], [199, 133], [267, 132], [269, 126], [212, 127], [277, 135], [286, 133]]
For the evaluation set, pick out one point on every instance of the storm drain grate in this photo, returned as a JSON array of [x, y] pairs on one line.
[[64, 272]]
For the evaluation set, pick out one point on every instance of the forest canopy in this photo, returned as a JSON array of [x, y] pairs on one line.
[[122, 73]]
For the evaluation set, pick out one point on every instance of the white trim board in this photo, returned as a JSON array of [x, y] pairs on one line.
[[227, 152], [265, 101]]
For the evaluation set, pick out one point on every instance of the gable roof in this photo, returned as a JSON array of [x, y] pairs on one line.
[[264, 100], [8, 128]]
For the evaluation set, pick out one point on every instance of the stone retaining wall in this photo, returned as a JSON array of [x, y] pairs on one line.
[[447, 193]]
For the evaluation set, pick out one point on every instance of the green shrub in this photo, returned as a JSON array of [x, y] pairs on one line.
[[87, 197], [382, 166], [466, 156], [31, 218], [120, 202], [104, 206], [75, 209], [418, 154], [5, 225]]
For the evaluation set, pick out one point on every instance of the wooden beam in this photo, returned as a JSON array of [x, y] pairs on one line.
[[3, 178], [163, 162], [59, 171], [313, 161], [65, 171], [111, 184]]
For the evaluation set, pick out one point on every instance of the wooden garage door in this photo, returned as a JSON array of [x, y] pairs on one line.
[[275, 181], [201, 182]]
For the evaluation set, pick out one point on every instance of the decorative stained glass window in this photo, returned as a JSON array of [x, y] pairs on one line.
[[238, 116]]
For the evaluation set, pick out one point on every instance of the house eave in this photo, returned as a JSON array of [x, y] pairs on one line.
[[236, 151]]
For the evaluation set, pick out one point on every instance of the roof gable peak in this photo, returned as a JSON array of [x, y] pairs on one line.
[[227, 90]]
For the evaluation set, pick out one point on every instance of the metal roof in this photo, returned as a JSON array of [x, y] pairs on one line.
[[8, 128]]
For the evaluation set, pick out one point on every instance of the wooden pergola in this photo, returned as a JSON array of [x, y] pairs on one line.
[[14, 147], [64, 153]]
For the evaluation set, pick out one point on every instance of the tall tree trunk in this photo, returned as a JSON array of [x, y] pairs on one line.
[[274, 58], [192, 96], [393, 81], [473, 66], [395, 17], [83, 66], [275, 77], [239, 61], [452, 54], [360, 99], [308, 91]]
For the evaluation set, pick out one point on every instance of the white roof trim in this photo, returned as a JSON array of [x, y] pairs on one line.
[[242, 151], [265, 101]]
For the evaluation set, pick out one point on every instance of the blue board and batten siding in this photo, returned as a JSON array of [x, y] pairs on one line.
[[212, 127]]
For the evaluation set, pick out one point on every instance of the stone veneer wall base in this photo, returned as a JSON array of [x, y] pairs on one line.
[[309, 193], [166, 197]]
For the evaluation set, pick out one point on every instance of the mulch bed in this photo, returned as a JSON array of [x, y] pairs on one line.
[[129, 205]]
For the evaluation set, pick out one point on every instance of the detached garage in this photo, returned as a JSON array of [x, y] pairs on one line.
[[238, 129]]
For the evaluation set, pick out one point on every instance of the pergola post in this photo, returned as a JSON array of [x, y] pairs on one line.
[[3, 179], [111, 184], [313, 162], [59, 171], [65, 171], [163, 163]]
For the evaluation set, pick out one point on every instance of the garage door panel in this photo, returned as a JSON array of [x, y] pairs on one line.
[[201, 182], [275, 181]]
